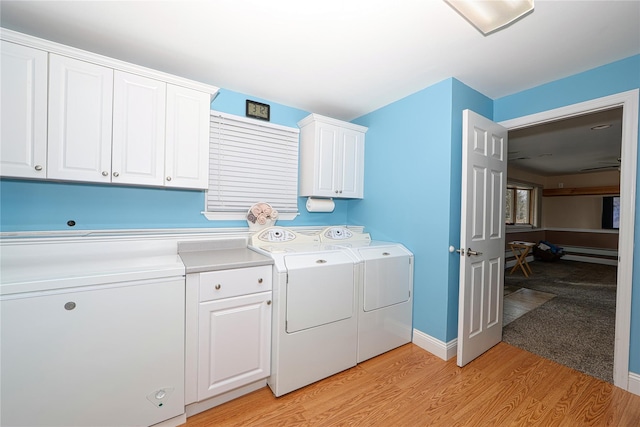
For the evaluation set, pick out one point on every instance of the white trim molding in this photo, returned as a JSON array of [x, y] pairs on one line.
[[628, 168], [441, 349], [634, 383]]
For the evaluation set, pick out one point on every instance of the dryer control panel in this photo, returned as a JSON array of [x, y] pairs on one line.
[[332, 234]]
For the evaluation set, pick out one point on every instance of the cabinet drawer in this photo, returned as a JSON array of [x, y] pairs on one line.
[[230, 283]]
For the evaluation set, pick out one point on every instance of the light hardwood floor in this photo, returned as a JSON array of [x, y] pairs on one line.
[[410, 387]]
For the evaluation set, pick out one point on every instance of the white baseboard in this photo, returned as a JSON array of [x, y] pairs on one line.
[[441, 349], [634, 383], [590, 259]]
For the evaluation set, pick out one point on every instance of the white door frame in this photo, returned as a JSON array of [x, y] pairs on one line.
[[629, 102]]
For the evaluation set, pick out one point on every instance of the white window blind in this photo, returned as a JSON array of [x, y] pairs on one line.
[[250, 162]]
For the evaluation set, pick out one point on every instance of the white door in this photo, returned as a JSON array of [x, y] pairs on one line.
[[80, 119], [187, 138], [482, 241], [23, 84], [138, 130], [352, 166], [235, 339], [327, 156]]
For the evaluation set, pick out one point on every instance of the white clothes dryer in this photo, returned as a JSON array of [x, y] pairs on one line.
[[314, 324], [385, 290]]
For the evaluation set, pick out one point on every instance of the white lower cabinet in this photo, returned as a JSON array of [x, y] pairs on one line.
[[234, 343], [228, 334]]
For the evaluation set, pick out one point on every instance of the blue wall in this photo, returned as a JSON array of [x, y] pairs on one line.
[[39, 205], [412, 185], [610, 79], [412, 191]]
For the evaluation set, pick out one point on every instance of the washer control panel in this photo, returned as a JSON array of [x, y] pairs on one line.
[[276, 234], [279, 236]]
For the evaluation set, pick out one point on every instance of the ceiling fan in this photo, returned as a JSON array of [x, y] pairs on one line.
[[611, 166]]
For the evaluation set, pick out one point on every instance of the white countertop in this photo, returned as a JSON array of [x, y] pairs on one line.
[[58, 265]]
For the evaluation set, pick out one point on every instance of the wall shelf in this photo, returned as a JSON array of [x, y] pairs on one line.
[[582, 191]]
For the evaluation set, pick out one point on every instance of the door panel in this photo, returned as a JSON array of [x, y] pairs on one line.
[[481, 236], [320, 289]]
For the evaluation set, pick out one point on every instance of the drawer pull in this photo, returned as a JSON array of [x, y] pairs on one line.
[[321, 261], [70, 305], [260, 280], [386, 253], [269, 302], [218, 286]]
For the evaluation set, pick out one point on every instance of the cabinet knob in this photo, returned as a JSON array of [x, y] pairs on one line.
[[336, 191], [260, 280], [70, 305], [105, 173], [218, 286], [116, 174], [340, 191], [38, 167], [168, 178], [269, 302]]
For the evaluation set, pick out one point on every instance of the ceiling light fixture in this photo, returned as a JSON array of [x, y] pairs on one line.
[[600, 127], [491, 15]]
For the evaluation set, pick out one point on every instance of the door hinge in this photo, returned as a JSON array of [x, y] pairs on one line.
[[287, 281]]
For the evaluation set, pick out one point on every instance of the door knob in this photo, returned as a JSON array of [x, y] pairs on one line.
[[470, 252]]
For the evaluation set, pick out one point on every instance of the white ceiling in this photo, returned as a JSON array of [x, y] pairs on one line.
[[341, 58]]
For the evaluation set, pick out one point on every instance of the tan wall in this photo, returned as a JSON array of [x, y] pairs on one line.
[[572, 212], [583, 180], [569, 211]]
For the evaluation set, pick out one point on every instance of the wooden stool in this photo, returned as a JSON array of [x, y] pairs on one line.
[[521, 250]]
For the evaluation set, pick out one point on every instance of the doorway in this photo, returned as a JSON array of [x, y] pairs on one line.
[[629, 103]]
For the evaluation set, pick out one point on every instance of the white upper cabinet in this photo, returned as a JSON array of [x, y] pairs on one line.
[[331, 158], [97, 119], [23, 138], [80, 106], [187, 141], [138, 130]]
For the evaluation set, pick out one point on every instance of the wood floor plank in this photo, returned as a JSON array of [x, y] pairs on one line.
[[410, 387]]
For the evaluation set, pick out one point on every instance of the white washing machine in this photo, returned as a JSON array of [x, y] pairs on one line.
[[385, 290], [314, 329]]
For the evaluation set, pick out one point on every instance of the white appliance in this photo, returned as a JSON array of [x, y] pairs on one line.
[[314, 323], [385, 290], [91, 333]]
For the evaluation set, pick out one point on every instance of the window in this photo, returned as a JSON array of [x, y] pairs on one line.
[[521, 207], [250, 162], [611, 212]]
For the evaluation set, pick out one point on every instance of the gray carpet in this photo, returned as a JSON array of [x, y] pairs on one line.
[[576, 328]]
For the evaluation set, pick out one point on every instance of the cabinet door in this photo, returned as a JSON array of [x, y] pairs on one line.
[[327, 156], [138, 130], [187, 142], [351, 182], [80, 118], [23, 140], [234, 343]]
